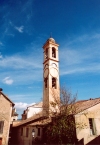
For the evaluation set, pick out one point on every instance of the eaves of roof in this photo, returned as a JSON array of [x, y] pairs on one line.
[[7, 98], [83, 105], [36, 117]]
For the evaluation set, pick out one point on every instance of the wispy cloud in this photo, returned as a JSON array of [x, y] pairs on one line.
[[22, 68], [10, 34], [19, 29], [8, 81], [1, 44], [1, 55], [22, 106], [76, 59], [20, 62]]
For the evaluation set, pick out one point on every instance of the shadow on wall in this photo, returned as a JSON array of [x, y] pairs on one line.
[[81, 142], [95, 141]]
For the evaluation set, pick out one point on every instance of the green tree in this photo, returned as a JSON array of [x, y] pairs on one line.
[[61, 130]]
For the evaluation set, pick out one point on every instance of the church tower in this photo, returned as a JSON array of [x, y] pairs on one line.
[[50, 74]]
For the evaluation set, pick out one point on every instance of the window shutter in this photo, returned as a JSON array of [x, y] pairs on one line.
[[1, 126]]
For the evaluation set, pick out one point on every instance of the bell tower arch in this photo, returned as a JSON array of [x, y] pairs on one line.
[[50, 74]]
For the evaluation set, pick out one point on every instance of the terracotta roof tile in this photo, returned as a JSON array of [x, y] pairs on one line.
[[30, 120], [37, 105], [85, 104]]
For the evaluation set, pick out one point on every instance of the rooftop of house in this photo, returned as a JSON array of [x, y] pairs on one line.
[[86, 104], [6, 97], [79, 106], [34, 118], [37, 105]]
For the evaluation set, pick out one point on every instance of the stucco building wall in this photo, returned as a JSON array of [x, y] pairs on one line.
[[5, 115], [23, 139], [32, 111], [83, 129]]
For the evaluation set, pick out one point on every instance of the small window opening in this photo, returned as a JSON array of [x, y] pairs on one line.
[[54, 83], [92, 132], [46, 54], [1, 126], [45, 80], [21, 131], [27, 132], [38, 131], [53, 52]]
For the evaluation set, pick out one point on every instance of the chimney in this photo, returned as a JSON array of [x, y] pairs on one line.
[[1, 89]]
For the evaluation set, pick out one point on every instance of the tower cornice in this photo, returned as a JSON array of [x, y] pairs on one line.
[[50, 42], [50, 59]]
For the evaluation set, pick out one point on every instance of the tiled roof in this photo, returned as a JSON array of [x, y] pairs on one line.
[[30, 120], [85, 104], [41, 122], [79, 107]]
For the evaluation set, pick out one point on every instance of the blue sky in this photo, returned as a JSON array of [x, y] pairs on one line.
[[25, 25]]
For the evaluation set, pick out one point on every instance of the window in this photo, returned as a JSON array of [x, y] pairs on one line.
[[1, 126], [91, 124], [53, 52], [54, 83], [38, 131], [45, 80], [21, 131], [46, 53], [27, 132]]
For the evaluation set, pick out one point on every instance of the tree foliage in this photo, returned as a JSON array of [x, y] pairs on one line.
[[62, 128]]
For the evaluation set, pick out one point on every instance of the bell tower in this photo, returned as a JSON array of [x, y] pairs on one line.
[[50, 74]]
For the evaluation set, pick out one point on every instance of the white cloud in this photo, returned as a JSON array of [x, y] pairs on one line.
[[20, 29], [22, 106], [20, 62], [22, 68], [81, 55], [7, 81]]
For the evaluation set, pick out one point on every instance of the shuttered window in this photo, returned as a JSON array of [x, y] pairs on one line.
[[27, 132], [38, 131], [1, 126], [21, 131], [92, 128]]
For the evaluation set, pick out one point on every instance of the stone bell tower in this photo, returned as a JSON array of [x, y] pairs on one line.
[[50, 74]]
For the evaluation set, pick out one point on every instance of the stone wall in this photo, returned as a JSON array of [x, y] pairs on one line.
[[5, 115]]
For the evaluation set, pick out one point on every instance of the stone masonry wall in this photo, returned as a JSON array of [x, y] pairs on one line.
[[5, 115]]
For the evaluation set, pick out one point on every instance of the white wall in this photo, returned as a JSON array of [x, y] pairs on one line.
[[32, 111]]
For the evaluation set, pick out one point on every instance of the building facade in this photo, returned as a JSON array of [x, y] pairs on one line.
[[87, 121], [6, 107]]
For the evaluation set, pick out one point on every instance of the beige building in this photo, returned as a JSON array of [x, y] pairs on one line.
[[87, 119], [6, 118]]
